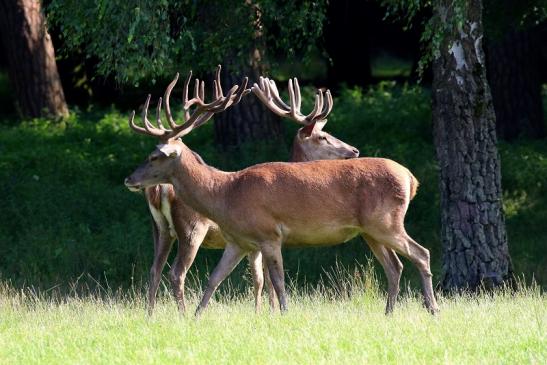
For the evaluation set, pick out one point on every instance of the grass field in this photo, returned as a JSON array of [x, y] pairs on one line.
[[319, 328]]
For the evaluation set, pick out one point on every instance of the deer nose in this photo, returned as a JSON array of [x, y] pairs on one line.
[[127, 181], [356, 151]]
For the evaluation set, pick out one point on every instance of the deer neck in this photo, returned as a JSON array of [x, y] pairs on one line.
[[199, 185], [298, 154]]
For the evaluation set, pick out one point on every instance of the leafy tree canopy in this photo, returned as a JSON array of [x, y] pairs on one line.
[[499, 15], [135, 40]]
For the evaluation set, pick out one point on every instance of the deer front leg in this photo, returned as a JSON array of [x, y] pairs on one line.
[[274, 261], [162, 245], [192, 238], [230, 258], [257, 272]]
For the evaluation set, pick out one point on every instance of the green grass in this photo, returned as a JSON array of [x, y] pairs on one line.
[[503, 328]]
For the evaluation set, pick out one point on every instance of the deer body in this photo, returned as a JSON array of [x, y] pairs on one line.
[[289, 201]]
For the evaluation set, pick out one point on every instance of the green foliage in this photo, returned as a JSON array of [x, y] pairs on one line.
[[65, 211], [135, 40], [450, 16], [501, 328], [512, 15]]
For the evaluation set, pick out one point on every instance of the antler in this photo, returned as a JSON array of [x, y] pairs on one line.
[[267, 92], [201, 113]]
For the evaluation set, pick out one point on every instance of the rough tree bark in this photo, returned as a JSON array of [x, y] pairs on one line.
[[514, 74], [249, 120], [31, 59], [474, 239]]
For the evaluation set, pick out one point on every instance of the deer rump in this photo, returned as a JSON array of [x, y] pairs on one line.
[[313, 203]]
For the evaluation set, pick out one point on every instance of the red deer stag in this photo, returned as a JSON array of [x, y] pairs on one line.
[[173, 219], [309, 204]]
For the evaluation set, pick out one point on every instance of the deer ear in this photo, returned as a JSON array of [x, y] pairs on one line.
[[319, 125], [170, 150], [306, 131]]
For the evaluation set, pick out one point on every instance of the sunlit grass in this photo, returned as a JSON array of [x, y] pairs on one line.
[[348, 327]]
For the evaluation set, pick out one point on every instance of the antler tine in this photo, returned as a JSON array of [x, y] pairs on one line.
[[317, 108], [146, 130], [328, 107], [202, 90], [297, 94], [166, 98], [260, 93], [158, 116], [135, 127], [294, 113], [217, 80], [185, 98], [275, 95], [268, 89], [225, 102], [147, 125], [242, 91], [215, 89]]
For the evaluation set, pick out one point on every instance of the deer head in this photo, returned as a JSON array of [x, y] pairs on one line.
[[157, 167], [311, 142]]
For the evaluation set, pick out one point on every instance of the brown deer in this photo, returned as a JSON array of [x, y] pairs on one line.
[[267, 206], [173, 219]]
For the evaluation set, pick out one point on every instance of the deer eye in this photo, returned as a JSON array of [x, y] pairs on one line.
[[153, 158], [323, 138]]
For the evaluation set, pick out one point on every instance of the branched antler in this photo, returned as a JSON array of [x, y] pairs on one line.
[[268, 93], [196, 110]]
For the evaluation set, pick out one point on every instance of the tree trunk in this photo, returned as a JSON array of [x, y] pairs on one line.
[[249, 120], [473, 234], [514, 70], [31, 59]]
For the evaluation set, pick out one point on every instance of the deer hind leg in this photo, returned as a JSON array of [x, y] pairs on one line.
[[420, 257], [255, 263], [190, 241], [274, 261], [272, 297], [397, 239], [163, 242], [393, 268], [230, 258]]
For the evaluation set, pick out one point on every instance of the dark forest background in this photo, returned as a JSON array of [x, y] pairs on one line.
[[65, 214]]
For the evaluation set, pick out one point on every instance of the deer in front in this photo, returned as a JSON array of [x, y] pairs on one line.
[[173, 219], [267, 206]]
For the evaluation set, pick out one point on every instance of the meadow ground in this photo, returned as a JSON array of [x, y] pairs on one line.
[[502, 328]]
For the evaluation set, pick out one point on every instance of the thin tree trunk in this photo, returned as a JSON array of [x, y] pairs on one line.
[[474, 239], [515, 80], [249, 120], [31, 59]]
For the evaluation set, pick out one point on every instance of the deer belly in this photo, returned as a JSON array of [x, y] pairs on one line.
[[322, 236], [214, 238]]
